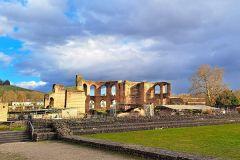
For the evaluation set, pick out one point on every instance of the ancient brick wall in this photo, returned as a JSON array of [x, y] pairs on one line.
[[3, 111], [133, 93], [71, 112], [96, 95], [46, 100], [127, 93], [187, 101], [102, 95], [57, 97], [76, 99]]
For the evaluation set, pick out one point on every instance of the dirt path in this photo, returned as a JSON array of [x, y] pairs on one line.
[[56, 150]]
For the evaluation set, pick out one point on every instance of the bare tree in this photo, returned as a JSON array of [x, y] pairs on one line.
[[208, 82]]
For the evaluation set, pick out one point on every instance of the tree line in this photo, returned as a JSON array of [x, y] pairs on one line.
[[5, 83], [208, 82]]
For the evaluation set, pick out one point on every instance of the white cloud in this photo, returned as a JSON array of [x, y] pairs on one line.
[[31, 22], [99, 55], [31, 84], [5, 26], [157, 18], [152, 40], [105, 57], [5, 59]]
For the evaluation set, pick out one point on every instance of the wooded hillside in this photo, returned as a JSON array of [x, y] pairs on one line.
[[10, 93]]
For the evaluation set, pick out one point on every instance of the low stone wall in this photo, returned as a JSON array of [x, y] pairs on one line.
[[43, 130], [14, 136], [44, 136], [110, 120], [137, 150], [42, 123], [147, 126], [50, 129]]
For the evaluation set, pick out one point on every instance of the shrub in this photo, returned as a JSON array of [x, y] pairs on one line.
[[17, 126], [227, 98], [7, 83]]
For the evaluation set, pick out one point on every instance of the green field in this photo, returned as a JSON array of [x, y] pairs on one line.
[[222, 141], [12, 128]]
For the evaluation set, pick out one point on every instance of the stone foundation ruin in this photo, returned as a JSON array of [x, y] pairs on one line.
[[105, 95]]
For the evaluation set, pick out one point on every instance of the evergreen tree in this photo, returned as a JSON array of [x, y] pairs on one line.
[[6, 83]]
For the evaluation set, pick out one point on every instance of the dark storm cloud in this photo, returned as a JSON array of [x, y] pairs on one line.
[[168, 19], [121, 39]]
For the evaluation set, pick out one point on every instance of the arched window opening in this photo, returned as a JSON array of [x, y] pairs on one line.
[[92, 90], [165, 89], [114, 103], [103, 90], [157, 89], [85, 88], [103, 103], [91, 104], [51, 103], [113, 90]]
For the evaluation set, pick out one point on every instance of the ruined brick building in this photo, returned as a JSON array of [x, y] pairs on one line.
[[3, 111], [103, 95]]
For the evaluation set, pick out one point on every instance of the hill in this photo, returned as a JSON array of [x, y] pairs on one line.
[[11, 93]]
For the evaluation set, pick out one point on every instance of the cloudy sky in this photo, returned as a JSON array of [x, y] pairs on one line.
[[49, 41]]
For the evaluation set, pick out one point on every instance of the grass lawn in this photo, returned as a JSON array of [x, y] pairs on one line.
[[221, 141], [12, 128]]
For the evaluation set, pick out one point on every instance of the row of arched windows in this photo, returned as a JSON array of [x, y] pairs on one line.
[[157, 89], [103, 104], [103, 90]]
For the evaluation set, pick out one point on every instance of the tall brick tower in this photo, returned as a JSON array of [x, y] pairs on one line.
[[79, 82]]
